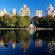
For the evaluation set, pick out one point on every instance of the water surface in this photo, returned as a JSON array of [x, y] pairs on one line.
[[23, 42]]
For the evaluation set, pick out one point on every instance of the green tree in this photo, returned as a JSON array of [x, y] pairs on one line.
[[10, 22], [21, 22], [35, 20], [47, 22], [28, 20]]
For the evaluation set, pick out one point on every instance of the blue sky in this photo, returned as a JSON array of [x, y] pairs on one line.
[[32, 4]]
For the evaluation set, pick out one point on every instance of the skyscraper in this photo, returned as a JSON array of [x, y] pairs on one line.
[[24, 11], [2, 13], [38, 13], [50, 10], [13, 12]]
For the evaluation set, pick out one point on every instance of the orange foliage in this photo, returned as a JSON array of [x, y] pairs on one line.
[[49, 16], [7, 16]]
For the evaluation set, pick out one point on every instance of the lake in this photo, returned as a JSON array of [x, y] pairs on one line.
[[27, 42]]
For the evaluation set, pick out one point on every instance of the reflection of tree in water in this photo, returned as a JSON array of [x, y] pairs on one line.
[[23, 37], [49, 37], [13, 37], [8, 37], [36, 35], [24, 40], [38, 41]]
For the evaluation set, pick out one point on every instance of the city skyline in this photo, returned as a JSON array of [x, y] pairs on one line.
[[33, 5]]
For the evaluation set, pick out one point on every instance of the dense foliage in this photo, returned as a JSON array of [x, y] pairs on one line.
[[22, 22], [46, 21], [16, 21]]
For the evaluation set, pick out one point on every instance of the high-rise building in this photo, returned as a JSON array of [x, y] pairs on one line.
[[38, 13], [24, 11], [13, 12], [50, 10], [2, 13]]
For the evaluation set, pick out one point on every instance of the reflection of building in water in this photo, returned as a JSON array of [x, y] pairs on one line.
[[38, 43], [1, 43], [32, 31], [25, 45], [37, 34], [4, 43], [51, 46], [13, 44]]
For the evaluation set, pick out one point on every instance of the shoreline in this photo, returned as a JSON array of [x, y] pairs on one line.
[[27, 28]]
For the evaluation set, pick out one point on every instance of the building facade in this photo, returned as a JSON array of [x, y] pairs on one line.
[[38, 13], [24, 11], [13, 12], [50, 10], [2, 13]]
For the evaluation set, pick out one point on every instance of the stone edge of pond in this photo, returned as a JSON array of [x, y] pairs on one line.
[[27, 28]]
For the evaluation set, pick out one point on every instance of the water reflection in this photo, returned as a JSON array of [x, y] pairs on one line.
[[38, 43], [51, 46], [27, 42]]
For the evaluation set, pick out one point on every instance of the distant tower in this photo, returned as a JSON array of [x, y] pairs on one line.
[[50, 10], [24, 11], [38, 13], [1, 13], [13, 12], [4, 11]]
